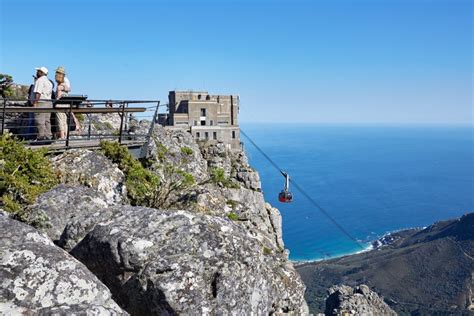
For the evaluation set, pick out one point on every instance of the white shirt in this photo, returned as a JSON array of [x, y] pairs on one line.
[[44, 87]]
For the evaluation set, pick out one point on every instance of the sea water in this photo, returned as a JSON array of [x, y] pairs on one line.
[[370, 179]]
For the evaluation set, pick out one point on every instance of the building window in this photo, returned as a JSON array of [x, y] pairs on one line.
[[208, 97], [211, 122], [203, 112], [214, 135], [199, 97], [233, 134], [203, 122], [206, 135], [198, 135], [195, 123]]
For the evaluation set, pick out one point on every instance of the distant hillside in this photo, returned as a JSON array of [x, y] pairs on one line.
[[422, 272]]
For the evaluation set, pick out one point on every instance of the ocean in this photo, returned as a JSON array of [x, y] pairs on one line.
[[371, 179]]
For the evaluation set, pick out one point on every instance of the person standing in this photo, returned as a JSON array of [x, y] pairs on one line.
[[62, 90], [43, 90]]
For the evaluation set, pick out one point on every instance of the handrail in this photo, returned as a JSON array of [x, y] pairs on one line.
[[22, 125], [23, 109], [88, 100]]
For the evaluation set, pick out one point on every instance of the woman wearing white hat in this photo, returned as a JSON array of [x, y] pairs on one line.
[[62, 90]]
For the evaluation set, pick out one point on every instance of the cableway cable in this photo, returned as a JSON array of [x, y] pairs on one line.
[[303, 192]]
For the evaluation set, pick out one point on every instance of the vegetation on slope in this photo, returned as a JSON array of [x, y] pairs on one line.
[[142, 184], [144, 187], [24, 174]]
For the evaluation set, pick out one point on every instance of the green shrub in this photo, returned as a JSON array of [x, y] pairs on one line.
[[218, 177], [24, 174], [142, 184], [80, 117], [161, 150], [108, 125], [232, 216], [267, 251], [187, 151], [188, 179]]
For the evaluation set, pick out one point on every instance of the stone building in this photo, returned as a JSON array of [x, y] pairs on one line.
[[211, 118]]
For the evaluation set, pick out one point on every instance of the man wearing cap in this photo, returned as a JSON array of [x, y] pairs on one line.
[[43, 89], [63, 89]]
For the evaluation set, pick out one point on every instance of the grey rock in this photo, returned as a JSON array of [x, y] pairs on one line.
[[54, 209], [92, 169], [234, 163], [178, 149], [38, 278], [360, 300], [260, 219], [160, 262]]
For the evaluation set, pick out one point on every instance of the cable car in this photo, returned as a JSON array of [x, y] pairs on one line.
[[285, 195]]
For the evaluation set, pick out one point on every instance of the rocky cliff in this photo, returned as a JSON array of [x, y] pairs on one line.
[[418, 271], [360, 300], [202, 241]]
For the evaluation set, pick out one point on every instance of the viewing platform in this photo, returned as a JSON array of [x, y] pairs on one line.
[[88, 123]]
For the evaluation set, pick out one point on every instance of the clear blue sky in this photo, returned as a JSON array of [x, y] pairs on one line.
[[386, 61]]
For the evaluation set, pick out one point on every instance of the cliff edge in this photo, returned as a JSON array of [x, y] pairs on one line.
[[184, 231]]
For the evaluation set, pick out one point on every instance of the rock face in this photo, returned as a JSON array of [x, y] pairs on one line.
[[161, 262], [93, 170], [211, 246], [360, 300], [54, 209], [176, 148], [36, 277]]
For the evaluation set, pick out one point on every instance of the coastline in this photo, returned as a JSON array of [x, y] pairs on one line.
[[385, 239]]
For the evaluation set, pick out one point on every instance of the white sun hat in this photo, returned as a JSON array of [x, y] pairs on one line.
[[43, 70]]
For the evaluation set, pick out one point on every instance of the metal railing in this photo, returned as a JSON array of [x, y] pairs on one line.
[[87, 121]]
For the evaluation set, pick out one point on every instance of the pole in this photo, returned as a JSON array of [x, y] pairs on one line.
[[3, 117], [69, 120], [121, 123]]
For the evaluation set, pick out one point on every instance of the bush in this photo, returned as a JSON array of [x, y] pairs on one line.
[[232, 216], [267, 251], [218, 177], [80, 117], [24, 174], [187, 151], [142, 184]]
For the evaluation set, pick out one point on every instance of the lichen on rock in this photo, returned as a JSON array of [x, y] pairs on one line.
[[36, 277], [162, 262], [92, 169]]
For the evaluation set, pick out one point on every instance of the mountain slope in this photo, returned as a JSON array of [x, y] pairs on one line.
[[425, 271]]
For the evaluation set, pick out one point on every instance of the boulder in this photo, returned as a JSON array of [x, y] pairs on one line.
[[234, 163], [54, 209], [360, 300], [38, 278], [159, 262], [248, 206], [177, 148], [92, 169]]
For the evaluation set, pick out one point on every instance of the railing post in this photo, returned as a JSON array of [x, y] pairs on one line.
[[3, 117], [149, 137], [89, 128], [69, 119], [121, 123]]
